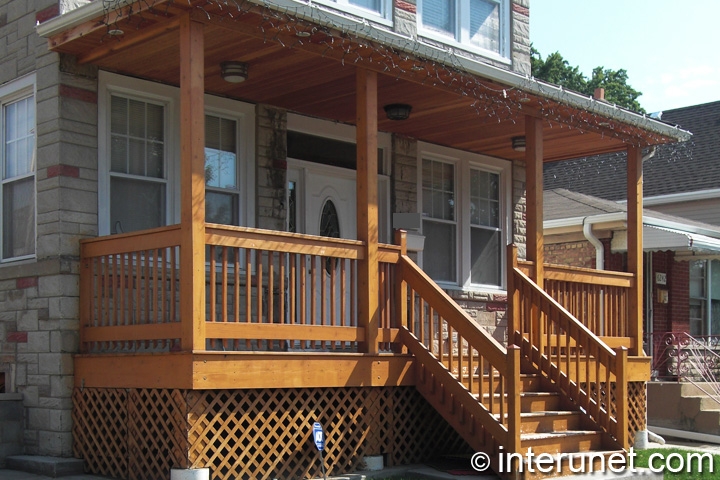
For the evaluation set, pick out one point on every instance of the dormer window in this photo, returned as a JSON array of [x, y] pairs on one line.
[[477, 25]]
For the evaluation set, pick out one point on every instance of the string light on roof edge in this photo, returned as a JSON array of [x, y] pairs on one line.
[[361, 44]]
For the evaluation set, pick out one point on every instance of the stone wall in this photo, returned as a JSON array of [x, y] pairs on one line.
[[271, 167], [39, 297]]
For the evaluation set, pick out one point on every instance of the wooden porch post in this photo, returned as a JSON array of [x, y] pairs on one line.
[[192, 185], [367, 207], [534, 200], [635, 245]]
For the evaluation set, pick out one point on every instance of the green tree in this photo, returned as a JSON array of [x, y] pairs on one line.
[[555, 69]]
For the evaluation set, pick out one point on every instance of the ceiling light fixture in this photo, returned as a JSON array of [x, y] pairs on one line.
[[234, 72], [397, 111], [518, 144]]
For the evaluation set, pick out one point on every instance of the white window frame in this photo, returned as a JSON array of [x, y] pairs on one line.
[[461, 38], [10, 92], [463, 162], [384, 17], [143, 90]]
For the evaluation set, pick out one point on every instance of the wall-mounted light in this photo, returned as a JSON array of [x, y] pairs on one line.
[[397, 111], [234, 72], [518, 144]]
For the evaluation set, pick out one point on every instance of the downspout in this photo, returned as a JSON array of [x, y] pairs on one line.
[[599, 247], [599, 263], [650, 154]]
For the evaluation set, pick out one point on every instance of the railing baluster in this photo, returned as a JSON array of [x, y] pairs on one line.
[[248, 292], [313, 290], [224, 292], [236, 291], [271, 292]]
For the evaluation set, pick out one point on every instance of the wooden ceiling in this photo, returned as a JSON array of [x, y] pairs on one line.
[[311, 76]]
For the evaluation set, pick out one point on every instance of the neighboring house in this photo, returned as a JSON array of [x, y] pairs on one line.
[[680, 180], [198, 208], [589, 232]]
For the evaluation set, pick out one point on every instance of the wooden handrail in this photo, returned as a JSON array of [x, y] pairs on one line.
[[446, 307], [472, 363], [130, 242], [564, 349]]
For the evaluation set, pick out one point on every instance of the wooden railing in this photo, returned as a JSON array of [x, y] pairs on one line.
[[599, 299], [568, 353], [130, 286], [265, 290], [478, 377], [277, 290]]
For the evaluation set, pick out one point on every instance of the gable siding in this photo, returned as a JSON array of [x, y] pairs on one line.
[[707, 211]]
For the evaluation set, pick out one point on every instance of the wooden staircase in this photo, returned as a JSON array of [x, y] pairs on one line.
[[509, 400]]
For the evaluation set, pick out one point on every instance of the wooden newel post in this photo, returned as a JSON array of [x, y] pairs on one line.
[[514, 390], [400, 286], [513, 307], [621, 396]]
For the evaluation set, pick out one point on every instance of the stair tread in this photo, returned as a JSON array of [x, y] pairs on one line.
[[542, 414], [564, 433], [591, 453]]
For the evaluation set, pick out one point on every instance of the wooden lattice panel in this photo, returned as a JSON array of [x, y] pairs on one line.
[[157, 426], [637, 408], [140, 434], [274, 429], [100, 430], [636, 403], [419, 432]]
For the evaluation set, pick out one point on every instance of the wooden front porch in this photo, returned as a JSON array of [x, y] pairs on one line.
[[281, 319]]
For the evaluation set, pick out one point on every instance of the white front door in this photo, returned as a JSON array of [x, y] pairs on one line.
[[320, 188]]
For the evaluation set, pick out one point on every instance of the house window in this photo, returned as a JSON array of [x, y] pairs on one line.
[[480, 24], [18, 170], [140, 157], [704, 297], [465, 217], [439, 222], [485, 230], [137, 164], [222, 193], [378, 10]]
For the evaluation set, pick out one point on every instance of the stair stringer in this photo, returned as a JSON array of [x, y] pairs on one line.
[[455, 403]]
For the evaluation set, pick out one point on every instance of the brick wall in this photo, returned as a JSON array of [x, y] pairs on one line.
[[679, 283], [575, 254]]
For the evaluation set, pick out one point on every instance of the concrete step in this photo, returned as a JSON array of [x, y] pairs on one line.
[[53, 467]]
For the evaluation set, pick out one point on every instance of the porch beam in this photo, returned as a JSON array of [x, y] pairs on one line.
[[534, 200], [192, 184], [367, 207], [635, 244]]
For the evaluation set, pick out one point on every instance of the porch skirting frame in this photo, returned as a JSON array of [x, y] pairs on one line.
[[139, 434]]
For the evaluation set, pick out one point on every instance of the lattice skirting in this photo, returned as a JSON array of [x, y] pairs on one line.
[[139, 434], [636, 402]]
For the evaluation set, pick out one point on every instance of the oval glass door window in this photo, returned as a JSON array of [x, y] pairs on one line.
[[329, 227]]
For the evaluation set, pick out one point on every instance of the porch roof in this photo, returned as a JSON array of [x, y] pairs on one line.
[[457, 101]]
